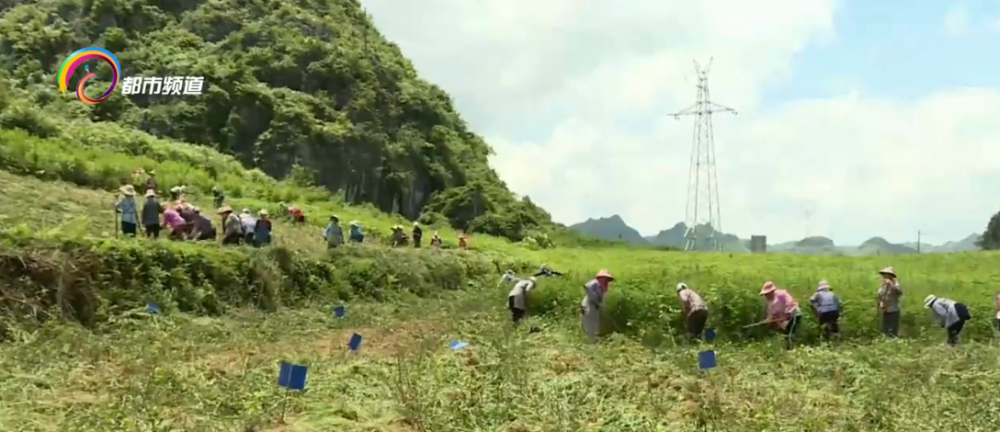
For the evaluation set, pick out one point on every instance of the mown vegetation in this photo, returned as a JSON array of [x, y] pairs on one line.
[[307, 104]]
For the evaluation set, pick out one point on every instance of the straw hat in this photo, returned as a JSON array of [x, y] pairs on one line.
[[262, 212], [767, 288], [127, 190], [150, 193], [245, 211], [822, 286], [225, 209], [604, 274], [416, 224], [888, 271], [152, 172], [681, 287], [929, 301]]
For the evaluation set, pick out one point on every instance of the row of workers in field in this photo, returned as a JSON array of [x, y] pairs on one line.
[[783, 311]]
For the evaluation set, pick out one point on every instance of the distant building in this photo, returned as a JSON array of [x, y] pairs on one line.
[[758, 244]]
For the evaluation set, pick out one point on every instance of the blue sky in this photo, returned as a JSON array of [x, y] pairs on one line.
[[866, 111], [899, 50]]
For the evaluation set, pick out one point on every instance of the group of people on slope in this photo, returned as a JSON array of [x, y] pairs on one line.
[[783, 311], [334, 235], [184, 221]]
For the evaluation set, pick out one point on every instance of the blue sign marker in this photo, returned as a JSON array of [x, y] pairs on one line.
[[291, 376], [339, 311], [706, 360], [709, 334], [457, 344], [355, 342], [152, 308]]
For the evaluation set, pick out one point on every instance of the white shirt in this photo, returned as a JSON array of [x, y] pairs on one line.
[[519, 291]]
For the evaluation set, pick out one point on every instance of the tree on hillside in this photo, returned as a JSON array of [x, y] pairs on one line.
[[287, 84], [991, 237]]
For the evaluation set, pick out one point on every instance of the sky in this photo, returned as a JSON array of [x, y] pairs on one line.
[[855, 118]]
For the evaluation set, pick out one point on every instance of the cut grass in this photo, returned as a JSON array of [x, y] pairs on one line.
[[201, 374]]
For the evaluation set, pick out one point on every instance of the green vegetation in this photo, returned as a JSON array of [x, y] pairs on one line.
[[306, 98], [308, 90]]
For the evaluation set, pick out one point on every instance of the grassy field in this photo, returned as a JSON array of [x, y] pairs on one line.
[[173, 373], [178, 372]]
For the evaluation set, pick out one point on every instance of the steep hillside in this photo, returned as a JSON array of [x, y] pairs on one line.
[[306, 89], [611, 228]]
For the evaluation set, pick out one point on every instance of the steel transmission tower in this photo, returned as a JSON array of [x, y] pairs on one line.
[[703, 186]]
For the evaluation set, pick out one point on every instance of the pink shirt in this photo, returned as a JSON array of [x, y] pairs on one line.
[[782, 306], [173, 219]]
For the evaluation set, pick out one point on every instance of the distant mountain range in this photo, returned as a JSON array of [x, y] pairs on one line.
[[615, 228]]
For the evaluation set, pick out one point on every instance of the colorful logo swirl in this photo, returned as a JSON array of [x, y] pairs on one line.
[[76, 59]]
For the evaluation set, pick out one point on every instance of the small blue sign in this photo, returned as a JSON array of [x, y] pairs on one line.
[[709, 334], [457, 344], [292, 376], [339, 311], [355, 342], [152, 308], [706, 360]]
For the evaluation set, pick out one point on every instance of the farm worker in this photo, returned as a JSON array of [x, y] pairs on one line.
[[826, 305], [249, 222], [218, 196], [782, 310], [436, 241], [232, 228], [998, 311], [417, 234], [516, 297], [398, 236], [172, 220], [888, 301], [333, 234], [694, 308], [202, 228], [357, 236], [129, 210], [463, 241], [297, 214], [151, 210], [590, 307], [950, 314], [262, 230], [151, 181]]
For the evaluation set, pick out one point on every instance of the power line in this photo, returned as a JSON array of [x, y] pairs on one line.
[[703, 187]]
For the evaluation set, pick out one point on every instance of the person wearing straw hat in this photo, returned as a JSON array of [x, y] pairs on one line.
[[694, 309], [262, 229], [333, 233], [593, 301], [436, 241], [417, 234], [151, 210], [398, 236], [151, 184], [782, 310], [888, 295], [232, 228], [128, 209], [950, 314], [357, 235], [826, 305]]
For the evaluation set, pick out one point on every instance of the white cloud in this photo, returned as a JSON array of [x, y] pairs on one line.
[[573, 96], [956, 21]]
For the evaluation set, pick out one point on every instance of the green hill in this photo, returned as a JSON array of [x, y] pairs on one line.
[[611, 228], [309, 90]]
